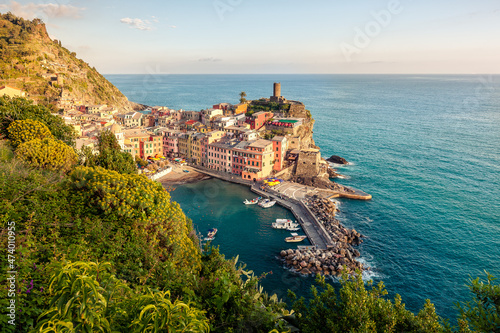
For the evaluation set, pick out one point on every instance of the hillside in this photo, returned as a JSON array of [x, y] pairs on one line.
[[47, 71]]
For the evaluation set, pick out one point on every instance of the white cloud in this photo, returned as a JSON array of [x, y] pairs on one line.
[[42, 10], [137, 23], [173, 26]]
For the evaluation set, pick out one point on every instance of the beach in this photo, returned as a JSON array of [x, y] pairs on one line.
[[178, 177]]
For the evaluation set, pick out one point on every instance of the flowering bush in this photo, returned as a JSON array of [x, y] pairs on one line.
[[47, 154], [21, 131]]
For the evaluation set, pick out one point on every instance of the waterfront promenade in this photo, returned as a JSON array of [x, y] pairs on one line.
[[289, 195]]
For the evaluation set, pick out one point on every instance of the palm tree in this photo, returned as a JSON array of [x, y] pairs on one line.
[[243, 95]]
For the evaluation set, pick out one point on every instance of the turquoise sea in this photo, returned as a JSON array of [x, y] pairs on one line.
[[427, 147]]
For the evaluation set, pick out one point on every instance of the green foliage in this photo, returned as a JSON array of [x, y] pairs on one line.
[[12, 109], [357, 309], [242, 97], [109, 156], [135, 200], [87, 297], [232, 297], [21, 131], [47, 154], [157, 313], [142, 163], [6, 153], [81, 302], [483, 312]]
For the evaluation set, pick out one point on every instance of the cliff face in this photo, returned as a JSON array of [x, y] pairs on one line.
[[47, 71], [305, 133]]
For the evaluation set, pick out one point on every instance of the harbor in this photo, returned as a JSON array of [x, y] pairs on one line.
[[331, 250]]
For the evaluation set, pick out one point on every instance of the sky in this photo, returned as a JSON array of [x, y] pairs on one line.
[[275, 36]]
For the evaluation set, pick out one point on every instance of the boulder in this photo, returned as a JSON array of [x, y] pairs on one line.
[[305, 271], [337, 159], [303, 264]]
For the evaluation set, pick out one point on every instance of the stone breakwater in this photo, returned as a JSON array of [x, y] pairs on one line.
[[337, 258], [325, 211]]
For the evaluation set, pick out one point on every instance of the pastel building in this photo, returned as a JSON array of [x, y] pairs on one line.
[[259, 119], [280, 144], [208, 139], [171, 143], [219, 156], [259, 160]]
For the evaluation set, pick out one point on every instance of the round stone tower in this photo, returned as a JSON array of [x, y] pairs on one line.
[[277, 89]]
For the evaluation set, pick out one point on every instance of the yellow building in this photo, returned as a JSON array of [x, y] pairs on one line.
[[11, 92], [240, 108]]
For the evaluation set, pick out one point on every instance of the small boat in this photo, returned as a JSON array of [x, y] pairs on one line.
[[185, 170], [295, 238], [252, 202], [285, 224], [212, 232], [266, 203]]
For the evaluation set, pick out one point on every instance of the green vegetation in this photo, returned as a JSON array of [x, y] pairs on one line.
[[21, 131], [12, 109], [268, 135], [483, 312], [27, 53], [109, 155], [242, 97], [47, 154]]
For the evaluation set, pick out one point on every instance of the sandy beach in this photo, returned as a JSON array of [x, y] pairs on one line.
[[177, 176]]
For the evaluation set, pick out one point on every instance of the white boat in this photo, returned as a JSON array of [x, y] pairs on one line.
[[295, 238], [252, 202], [285, 224], [266, 203]]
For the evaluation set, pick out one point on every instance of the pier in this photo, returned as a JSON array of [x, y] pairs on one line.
[[291, 196]]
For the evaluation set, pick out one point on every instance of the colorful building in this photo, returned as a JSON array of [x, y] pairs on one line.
[[259, 160], [259, 119], [280, 144]]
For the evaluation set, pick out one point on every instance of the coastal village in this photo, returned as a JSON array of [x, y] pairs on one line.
[[266, 144]]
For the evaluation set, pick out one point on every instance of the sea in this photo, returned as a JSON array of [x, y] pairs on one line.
[[426, 147]]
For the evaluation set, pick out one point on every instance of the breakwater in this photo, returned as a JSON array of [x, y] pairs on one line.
[[332, 244]]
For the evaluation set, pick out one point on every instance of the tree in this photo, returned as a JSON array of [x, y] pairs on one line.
[[47, 154], [142, 163], [17, 108], [242, 97], [109, 155], [483, 312], [357, 309], [21, 131]]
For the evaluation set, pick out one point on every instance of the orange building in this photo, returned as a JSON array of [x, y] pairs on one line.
[[279, 151]]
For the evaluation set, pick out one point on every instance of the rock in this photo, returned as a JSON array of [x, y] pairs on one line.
[[303, 264], [337, 159], [283, 253], [305, 271]]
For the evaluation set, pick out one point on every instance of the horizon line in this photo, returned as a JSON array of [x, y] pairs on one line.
[[301, 74]]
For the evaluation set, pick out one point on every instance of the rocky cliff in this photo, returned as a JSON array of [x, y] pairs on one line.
[[47, 71]]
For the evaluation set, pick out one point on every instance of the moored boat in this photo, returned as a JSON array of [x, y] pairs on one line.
[[285, 224], [252, 202], [295, 238], [266, 203]]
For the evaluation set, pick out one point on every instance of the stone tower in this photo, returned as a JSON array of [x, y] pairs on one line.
[[277, 89], [276, 97]]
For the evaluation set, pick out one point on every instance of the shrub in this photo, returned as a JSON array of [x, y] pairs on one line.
[[21, 131], [47, 154]]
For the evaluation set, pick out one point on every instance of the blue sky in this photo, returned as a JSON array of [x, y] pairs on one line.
[[275, 36]]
